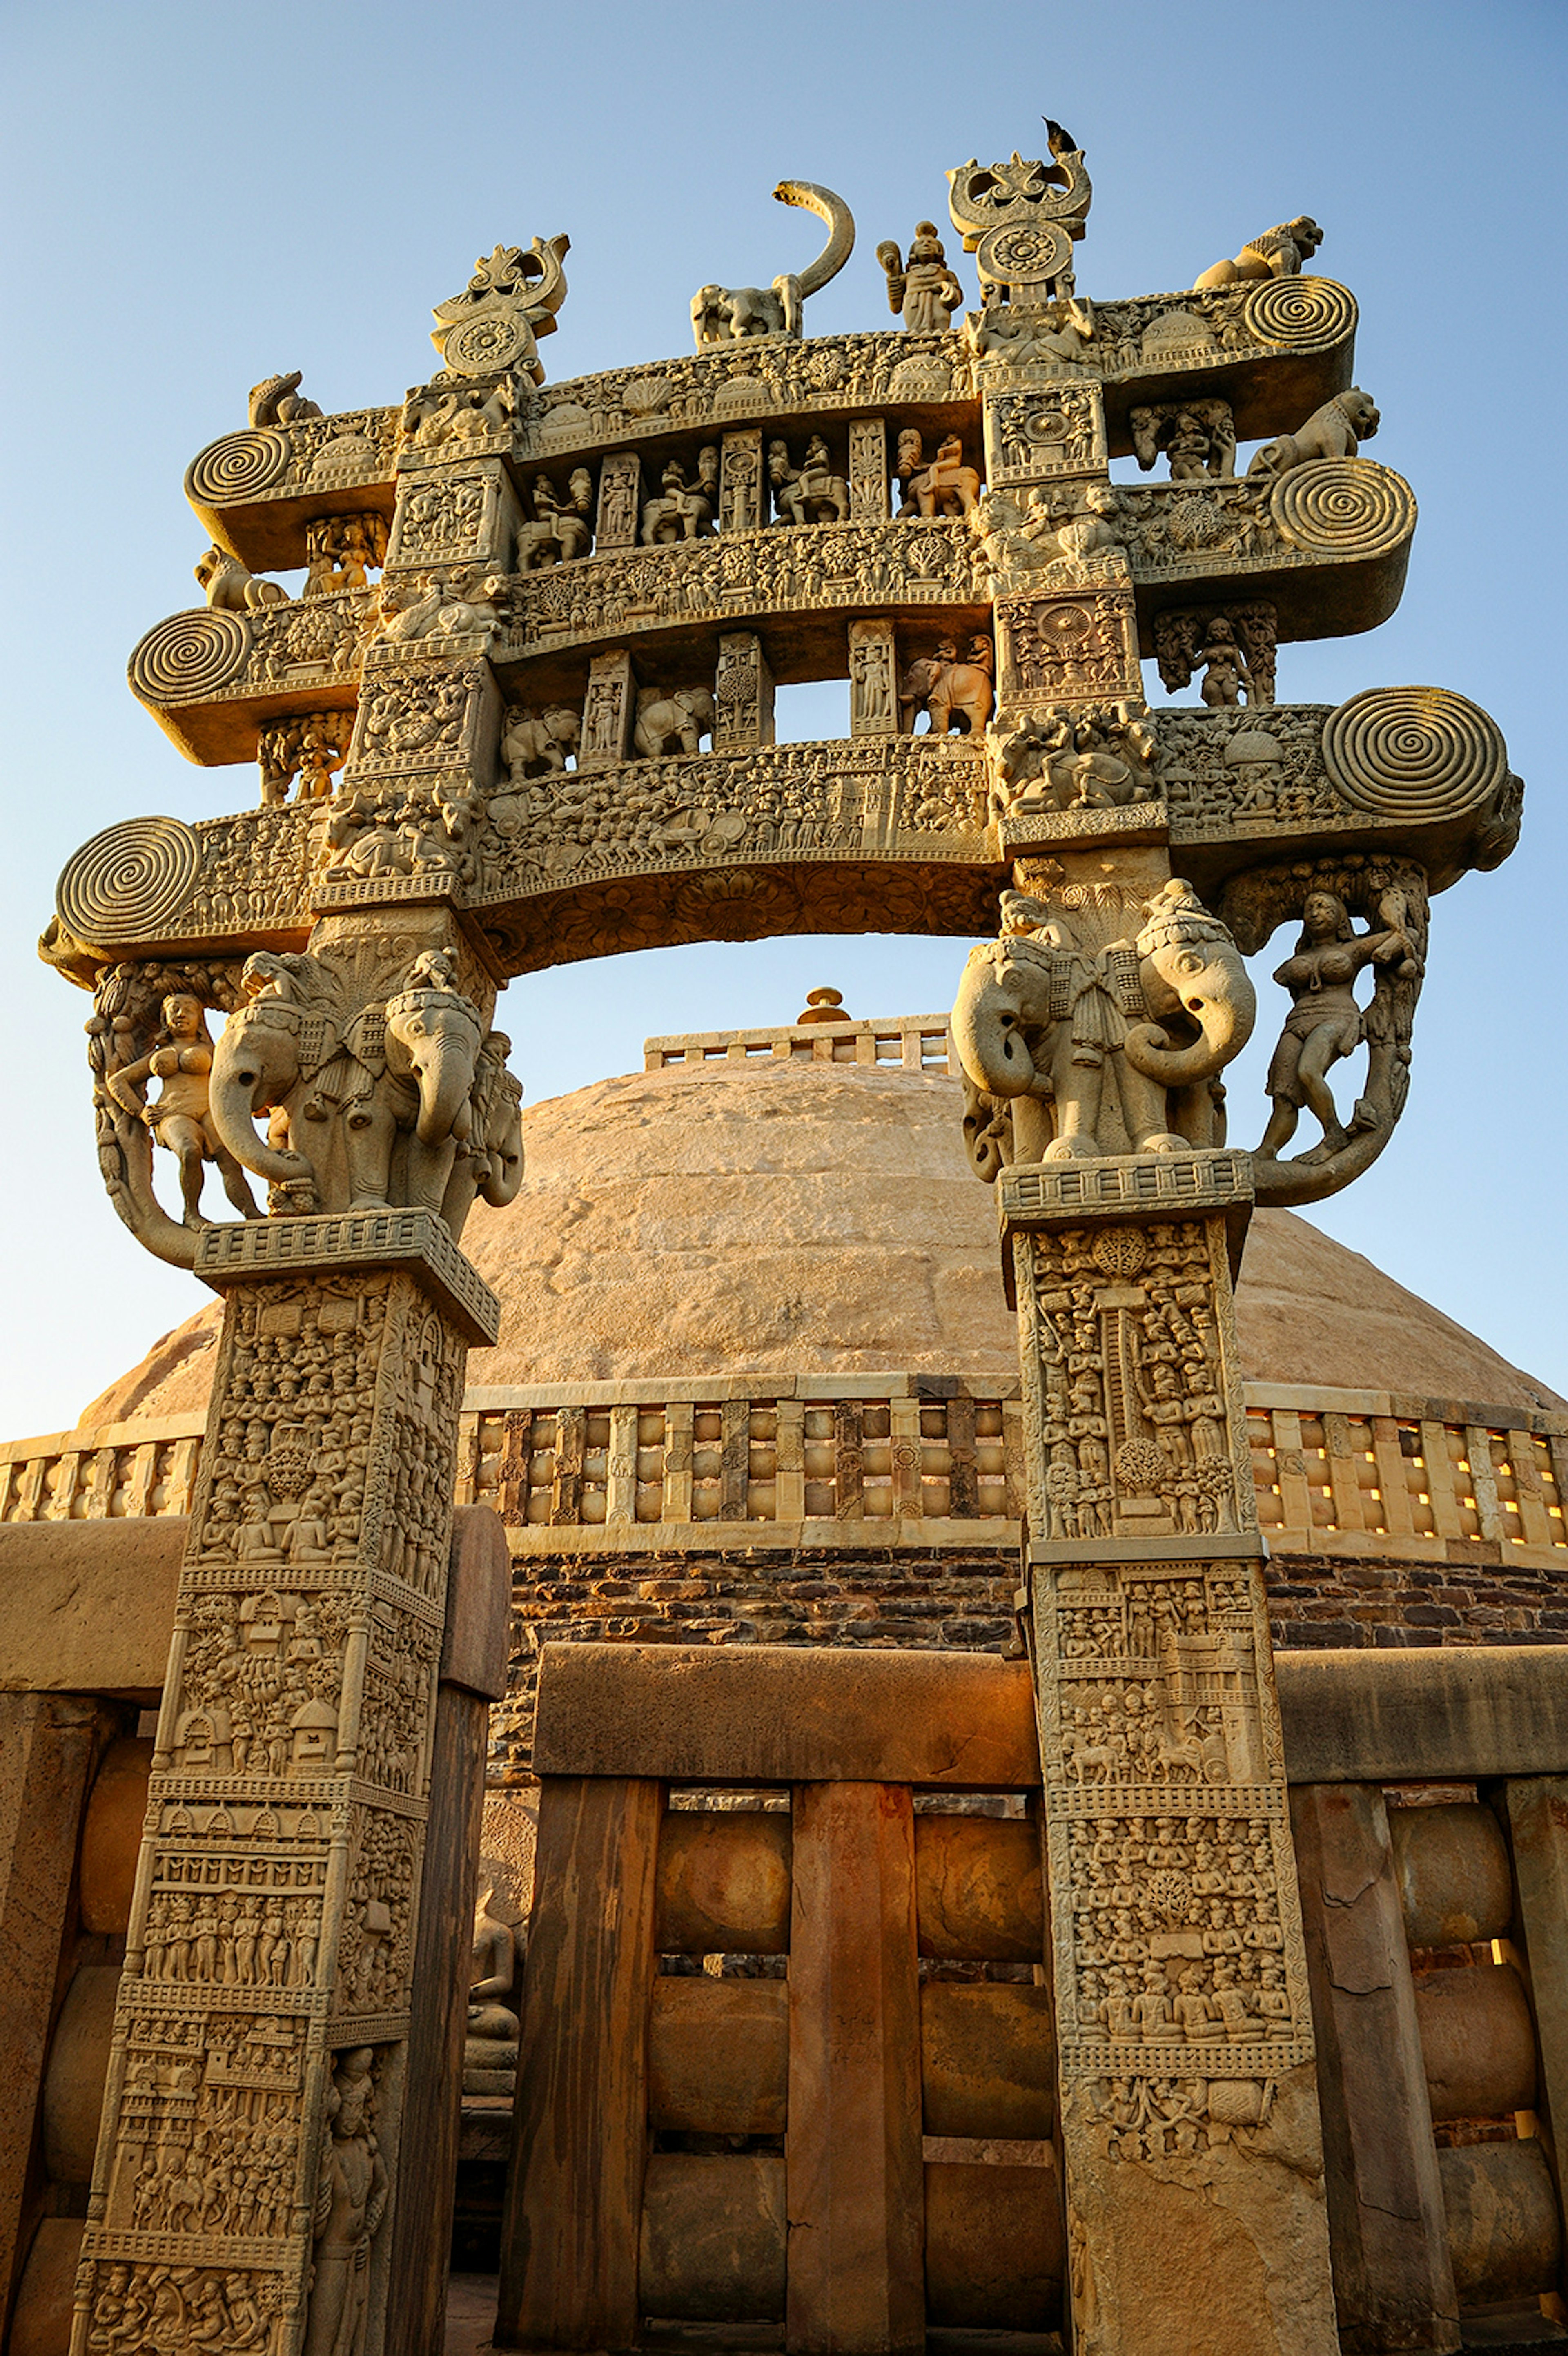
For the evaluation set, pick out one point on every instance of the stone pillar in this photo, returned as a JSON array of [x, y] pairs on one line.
[[1538, 1824], [1191, 2136], [741, 493], [247, 2160], [1394, 2283], [873, 680], [608, 710], [867, 470], [743, 696], [620, 502], [49, 1746]]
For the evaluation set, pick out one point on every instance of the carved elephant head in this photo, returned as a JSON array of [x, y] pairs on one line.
[[1193, 977]]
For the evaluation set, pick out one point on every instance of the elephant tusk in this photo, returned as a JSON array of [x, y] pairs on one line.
[[841, 231]]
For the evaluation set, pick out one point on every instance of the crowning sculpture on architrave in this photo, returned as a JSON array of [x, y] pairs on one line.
[[547, 733]]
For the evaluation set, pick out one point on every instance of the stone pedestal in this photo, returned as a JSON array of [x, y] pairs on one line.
[[1190, 2128], [259, 2072]]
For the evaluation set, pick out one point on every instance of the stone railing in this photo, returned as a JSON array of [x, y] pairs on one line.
[[918, 1043], [887, 1459]]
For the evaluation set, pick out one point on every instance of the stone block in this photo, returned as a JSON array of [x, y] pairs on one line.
[[979, 1891], [79, 2065], [112, 1836], [40, 2320], [995, 2250], [89, 1606], [723, 1884], [779, 1714], [1478, 2041], [713, 2237], [475, 1643], [1377, 1717], [988, 2061], [1504, 2232], [719, 2056], [1455, 1883]]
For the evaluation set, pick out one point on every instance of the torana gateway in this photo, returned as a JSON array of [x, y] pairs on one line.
[[1050, 1982]]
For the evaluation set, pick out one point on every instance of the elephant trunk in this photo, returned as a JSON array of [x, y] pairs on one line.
[[444, 1065], [236, 1081], [1225, 1024], [989, 1032]]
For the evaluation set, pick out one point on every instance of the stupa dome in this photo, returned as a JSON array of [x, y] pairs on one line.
[[800, 1200]]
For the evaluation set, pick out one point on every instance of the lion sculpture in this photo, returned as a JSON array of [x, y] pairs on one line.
[[230, 589], [1335, 431], [1278, 253]]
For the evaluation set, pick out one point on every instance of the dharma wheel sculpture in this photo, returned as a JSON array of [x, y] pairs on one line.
[[545, 732]]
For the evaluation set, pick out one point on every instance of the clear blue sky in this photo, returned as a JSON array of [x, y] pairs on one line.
[[199, 195]]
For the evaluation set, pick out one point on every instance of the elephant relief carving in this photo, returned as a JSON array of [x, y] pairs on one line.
[[400, 1104], [1080, 1035]]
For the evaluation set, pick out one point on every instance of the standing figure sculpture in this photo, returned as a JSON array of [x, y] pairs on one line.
[[350, 2198], [1324, 1021], [922, 293], [179, 1115]]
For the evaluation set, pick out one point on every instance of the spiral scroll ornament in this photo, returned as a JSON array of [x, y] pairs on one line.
[[126, 883], [237, 467], [1414, 753], [190, 654], [1343, 507], [1300, 315]]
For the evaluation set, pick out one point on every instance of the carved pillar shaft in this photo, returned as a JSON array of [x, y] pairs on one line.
[[608, 710], [1191, 2137], [249, 2149], [743, 697], [741, 481], [867, 470], [620, 501]]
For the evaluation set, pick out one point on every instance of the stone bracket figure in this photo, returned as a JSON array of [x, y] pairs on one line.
[[1234, 649], [149, 1026], [1325, 1022]]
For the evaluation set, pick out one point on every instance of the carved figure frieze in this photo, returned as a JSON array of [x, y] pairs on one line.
[[923, 291], [737, 314], [1097, 757], [311, 746], [1103, 1018], [321, 638], [1054, 337], [435, 717], [1069, 533], [1067, 648], [1197, 438], [1030, 435], [466, 606], [437, 415]]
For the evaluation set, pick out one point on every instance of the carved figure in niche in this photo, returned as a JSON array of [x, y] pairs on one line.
[[340, 552], [682, 511], [809, 494], [230, 589], [922, 293], [351, 2197], [956, 696], [1058, 332], [1227, 673], [1279, 252], [944, 488], [1199, 438], [559, 531], [277, 401], [178, 1116], [1054, 1013], [1324, 1023], [493, 2027], [723, 314], [1101, 757], [538, 744], [1335, 431], [310, 748], [1239, 643], [672, 721]]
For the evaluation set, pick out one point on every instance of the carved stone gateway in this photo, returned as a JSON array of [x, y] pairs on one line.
[[546, 734]]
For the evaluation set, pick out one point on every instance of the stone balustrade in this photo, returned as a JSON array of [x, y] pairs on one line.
[[1341, 1473]]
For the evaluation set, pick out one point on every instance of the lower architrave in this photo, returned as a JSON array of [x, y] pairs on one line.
[[1191, 2136], [248, 2157]]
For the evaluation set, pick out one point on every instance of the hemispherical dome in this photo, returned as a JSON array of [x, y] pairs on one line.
[[764, 1214]]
